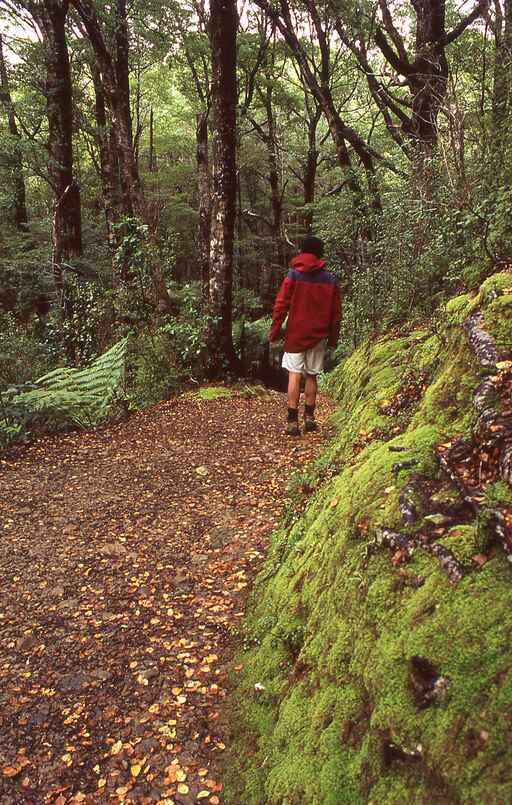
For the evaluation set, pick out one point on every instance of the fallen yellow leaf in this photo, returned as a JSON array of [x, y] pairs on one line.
[[10, 771]]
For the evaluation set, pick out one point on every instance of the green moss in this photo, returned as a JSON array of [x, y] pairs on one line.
[[212, 393], [496, 282], [498, 320], [458, 308], [476, 273], [498, 493], [332, 629], [464, 541]]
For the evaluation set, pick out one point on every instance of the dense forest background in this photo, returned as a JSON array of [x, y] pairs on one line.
[[136, 136]]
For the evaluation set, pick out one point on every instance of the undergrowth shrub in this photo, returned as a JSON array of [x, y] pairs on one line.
[[23, 352], [152, 373]]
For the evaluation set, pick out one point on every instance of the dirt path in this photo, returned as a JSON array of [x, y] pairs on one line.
[[125, 559]]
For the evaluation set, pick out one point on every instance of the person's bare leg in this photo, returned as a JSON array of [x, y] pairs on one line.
[[311, 390], [310, 395], [293, 390], [292, 427]]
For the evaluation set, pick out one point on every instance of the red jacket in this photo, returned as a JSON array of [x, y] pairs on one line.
[[311, 297]]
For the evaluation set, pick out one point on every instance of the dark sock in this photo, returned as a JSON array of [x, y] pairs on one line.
[[309, 410], [293, 415]]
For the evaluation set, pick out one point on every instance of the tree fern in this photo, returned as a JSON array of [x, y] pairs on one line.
[[80, 397]]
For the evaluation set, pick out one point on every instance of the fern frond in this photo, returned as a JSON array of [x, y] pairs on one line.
[[80, 397]]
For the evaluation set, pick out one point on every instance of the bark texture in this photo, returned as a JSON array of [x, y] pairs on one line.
[[113, 68], [203, 189], [67, 229], [222, 30]]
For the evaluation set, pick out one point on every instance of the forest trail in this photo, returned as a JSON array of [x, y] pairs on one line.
[[126, 557]]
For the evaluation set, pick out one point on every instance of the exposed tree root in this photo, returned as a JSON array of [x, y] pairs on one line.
[[495, 431], [406, 545], [481, 342]]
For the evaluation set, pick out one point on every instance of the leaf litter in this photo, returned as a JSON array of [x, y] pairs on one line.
[[127, 556]]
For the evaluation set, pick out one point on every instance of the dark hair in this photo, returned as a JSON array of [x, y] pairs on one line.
[[312, 245]]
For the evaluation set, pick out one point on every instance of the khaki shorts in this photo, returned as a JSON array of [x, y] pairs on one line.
[[310, 362]]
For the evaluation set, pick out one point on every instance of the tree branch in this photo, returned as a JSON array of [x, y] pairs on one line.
[[479, 9]]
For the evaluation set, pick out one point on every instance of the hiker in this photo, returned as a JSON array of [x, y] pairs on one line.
[[311, 298]]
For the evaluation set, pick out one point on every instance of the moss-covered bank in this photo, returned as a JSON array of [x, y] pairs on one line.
[[326, 706]]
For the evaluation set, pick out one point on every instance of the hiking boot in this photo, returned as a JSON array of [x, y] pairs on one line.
[[292, 428], [309, 423]]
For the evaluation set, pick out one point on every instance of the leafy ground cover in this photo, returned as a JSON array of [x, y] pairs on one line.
[[126, 556]]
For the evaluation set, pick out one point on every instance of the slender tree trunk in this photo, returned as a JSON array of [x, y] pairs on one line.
[[152, 158], [502, 86], [130, 180], [67, 229], [272, 276], [203, 187], [115, 79], [310, 172], [19, 205], [223, 27], [108, 160]]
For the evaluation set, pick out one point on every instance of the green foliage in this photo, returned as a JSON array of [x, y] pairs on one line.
[[65, 397], [152, 371], [24, 354], [165, 358], [85, 325], [131, 262]]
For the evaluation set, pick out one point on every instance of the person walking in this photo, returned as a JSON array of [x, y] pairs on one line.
[[311, 297]]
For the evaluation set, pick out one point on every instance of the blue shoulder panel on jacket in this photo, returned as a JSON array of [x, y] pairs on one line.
[[314, 277]]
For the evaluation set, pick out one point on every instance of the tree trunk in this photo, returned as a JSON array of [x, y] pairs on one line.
[[277, 263], [429, 73], [502, 87], [152, 157], [19, 205], [223, 27], [426, 76], [108, 160], [121, 111], [203, 188], [114, 71], [67, 229], [310, 172]]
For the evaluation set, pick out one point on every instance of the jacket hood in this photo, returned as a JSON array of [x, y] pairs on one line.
[[307, 262]]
